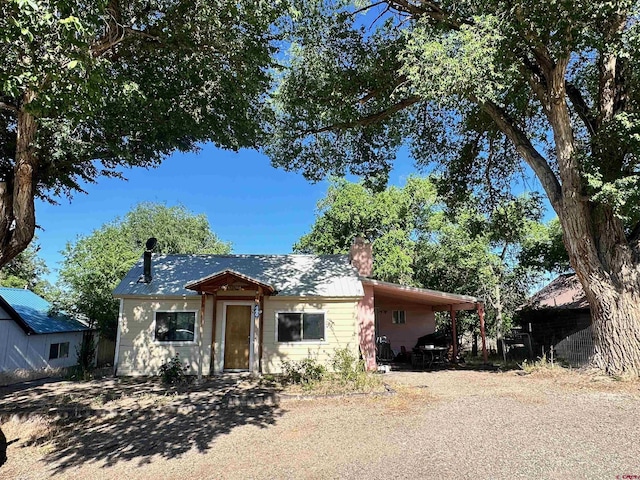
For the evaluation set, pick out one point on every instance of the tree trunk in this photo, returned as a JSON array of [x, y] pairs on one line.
[[17, 193]]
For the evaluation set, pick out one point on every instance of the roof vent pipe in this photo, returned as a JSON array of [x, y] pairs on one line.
[[146, 271]]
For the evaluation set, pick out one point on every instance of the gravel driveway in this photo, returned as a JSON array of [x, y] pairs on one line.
[[440, 425]]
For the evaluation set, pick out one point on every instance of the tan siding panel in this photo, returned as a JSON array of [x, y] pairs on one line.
[[341, 331], [139, 354]]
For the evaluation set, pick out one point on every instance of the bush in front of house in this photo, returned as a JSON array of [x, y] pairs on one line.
[[174, 372], [303, 372], [347, 374]]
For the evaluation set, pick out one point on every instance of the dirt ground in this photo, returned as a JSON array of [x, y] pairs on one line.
[[445, 424]]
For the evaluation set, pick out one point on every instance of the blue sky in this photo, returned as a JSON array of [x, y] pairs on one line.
[[256, 207]]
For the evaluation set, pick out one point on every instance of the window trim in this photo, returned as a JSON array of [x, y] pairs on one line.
[[181, 342], [58, 357], [404, 317], [322, 341]]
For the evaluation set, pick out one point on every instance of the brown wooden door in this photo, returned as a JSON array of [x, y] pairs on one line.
[[237, 337]]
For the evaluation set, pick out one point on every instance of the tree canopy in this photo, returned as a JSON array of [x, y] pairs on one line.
[[93, 265], [418, 241], [478, 88], [88, 87]]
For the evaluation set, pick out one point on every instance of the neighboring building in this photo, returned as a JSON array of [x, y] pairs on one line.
[[33, 338], [559, 315], [251, 312]]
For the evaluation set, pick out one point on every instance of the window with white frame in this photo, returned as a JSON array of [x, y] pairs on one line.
[[58, 350], [398, 317], [300, 326], [175, 327]]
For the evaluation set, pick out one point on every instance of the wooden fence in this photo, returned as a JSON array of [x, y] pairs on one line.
[[577, 348], [105, 351]]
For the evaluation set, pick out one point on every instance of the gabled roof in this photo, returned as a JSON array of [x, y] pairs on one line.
[[289, 275], [223, 278], [32, 313], [565, 292]]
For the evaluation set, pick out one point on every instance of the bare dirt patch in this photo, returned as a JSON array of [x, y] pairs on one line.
[[446, 424]]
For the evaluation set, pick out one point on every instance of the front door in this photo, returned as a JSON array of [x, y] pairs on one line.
[[237, 337]]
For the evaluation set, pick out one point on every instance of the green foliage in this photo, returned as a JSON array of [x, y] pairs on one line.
[[107, 85], [347, 374], [450, 80], [346, 365], [390, 220], [174, 372], [93, 265], [27, 270], [303, 372], [543, 248], [418, 241]]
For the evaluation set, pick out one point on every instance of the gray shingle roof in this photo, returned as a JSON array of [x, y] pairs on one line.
[[33, 313], [290, 275]]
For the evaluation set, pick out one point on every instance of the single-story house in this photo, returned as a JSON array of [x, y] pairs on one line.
[[250, 312], [32, 337], [559, 315]]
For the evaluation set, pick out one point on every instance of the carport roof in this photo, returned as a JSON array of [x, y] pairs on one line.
[[435, 298]]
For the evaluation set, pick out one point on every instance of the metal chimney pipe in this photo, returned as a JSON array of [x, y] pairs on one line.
[[147, 267]]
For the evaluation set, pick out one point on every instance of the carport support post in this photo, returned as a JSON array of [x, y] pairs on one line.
[[454, 334], [480, 308]]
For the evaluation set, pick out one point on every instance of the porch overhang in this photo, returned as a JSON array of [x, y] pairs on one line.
[[229, 280], [437, 300]]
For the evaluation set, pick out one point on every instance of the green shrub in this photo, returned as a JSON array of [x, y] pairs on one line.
[[304, 372], [346, 365], [174, 372]]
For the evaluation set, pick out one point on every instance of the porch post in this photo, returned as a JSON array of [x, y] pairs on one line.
[[480, 307], [203, 302], [256, 316], [454, 333]]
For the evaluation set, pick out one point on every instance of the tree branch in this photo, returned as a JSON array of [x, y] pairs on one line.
[[370, 119], [526, 149], [581, 107], [8, 106]]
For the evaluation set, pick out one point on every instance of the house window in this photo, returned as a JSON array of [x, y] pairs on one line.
[[175, 326], [300, 327], [398, 317], [58, 350]]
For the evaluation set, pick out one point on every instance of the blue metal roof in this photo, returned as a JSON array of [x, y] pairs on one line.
[[34, 312]]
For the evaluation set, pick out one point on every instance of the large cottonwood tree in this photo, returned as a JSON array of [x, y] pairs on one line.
[[87, 87], [478, 87]]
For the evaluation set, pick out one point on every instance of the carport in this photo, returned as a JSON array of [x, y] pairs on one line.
[[384, 295]]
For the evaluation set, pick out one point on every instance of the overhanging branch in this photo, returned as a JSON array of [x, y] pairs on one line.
[[370, 119], [526, 149]]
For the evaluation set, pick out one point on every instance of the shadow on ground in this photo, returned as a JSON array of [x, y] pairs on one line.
[[108, 422]]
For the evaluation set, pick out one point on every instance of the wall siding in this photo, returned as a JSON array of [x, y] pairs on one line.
[[139, 354], [341, 331], [31, 352], [419, 321]]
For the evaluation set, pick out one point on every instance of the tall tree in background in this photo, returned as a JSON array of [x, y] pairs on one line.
[[93, 265], [478, 87], [417, 241], [87, 87]]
